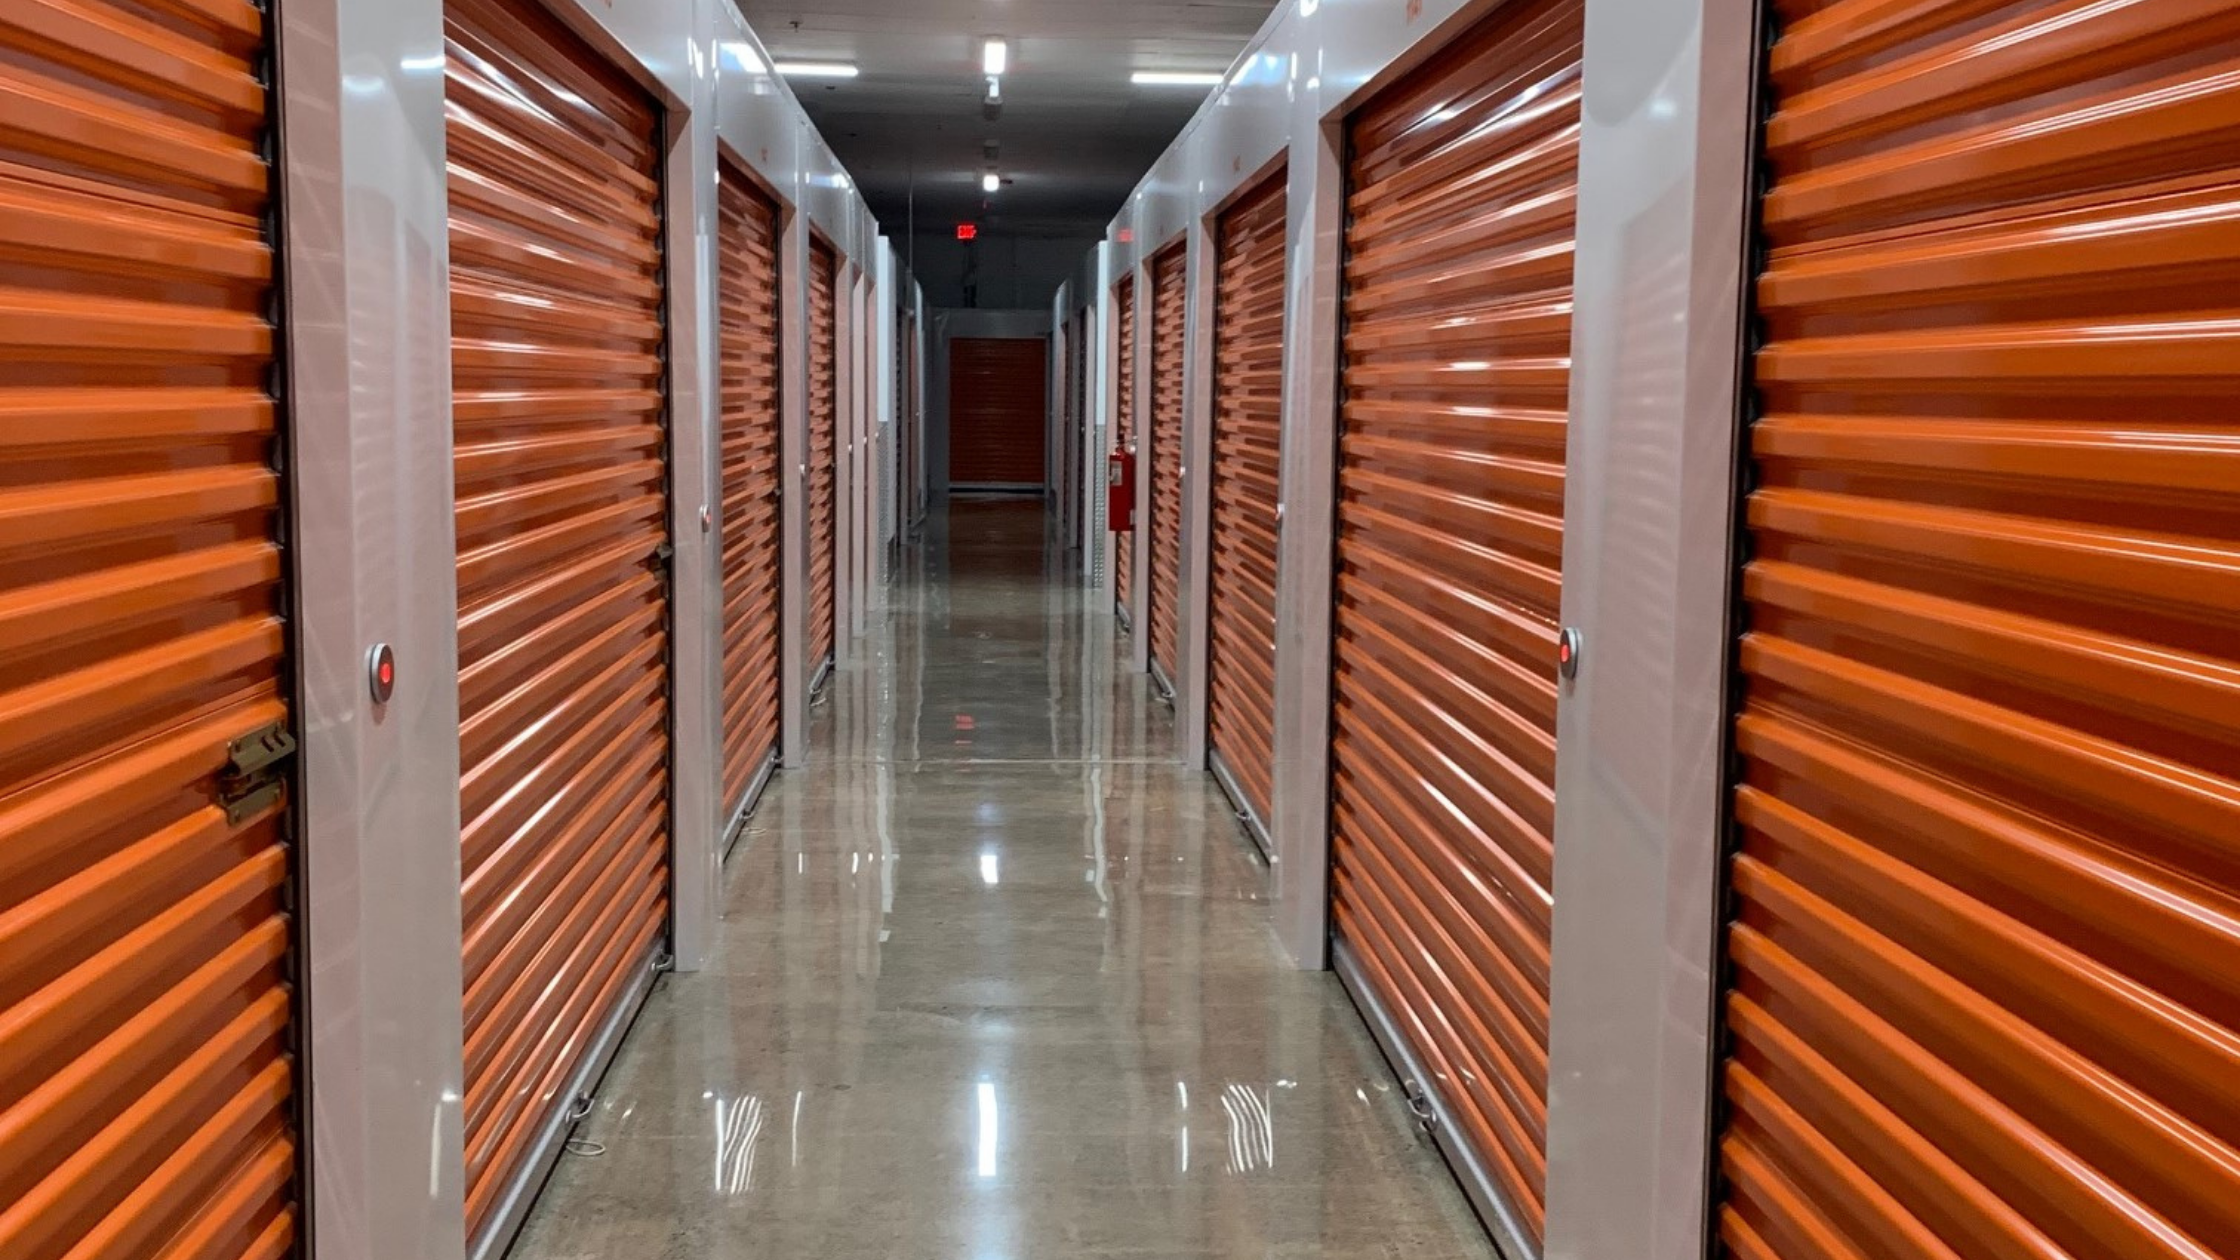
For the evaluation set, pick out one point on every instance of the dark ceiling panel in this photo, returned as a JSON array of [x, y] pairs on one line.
[[1073, 135]]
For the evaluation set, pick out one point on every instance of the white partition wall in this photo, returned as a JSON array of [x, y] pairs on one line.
[[369, 355], [1083, 304], [1643, 730]]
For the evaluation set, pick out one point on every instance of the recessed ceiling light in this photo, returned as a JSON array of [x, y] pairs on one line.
[[990, 182], [994, 55], [818, 69], [1174, 78]]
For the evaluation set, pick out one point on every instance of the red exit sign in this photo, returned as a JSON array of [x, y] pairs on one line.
[[968, 231]]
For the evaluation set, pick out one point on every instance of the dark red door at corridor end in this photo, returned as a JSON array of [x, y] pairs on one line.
[[997, 412]]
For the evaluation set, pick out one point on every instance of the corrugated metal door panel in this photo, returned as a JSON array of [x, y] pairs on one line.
[[1064, 460], [1247, 433], [1124, 545], [908, 423], [562, 516], [915, 418], [824, 387], [1088, 476], [748, 296], [1450, 521], [147, 1084], [1083, 482], [1060, 370], [897, 498], [1169, 298], [1986, 897], [996, 411]]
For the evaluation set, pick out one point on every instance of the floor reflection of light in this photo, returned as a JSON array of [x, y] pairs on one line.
[[1182, 1131], [737, 1127], [990, 872], [1252, 1129], [989, 1128]]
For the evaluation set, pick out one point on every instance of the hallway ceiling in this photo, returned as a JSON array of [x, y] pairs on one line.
[[1074, 134]]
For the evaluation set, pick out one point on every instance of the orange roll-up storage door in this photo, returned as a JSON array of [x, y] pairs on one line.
[[1124, 437], [147, 1089], [1450, 536], [907, 424], [1985, 952], [1169, 297], [747, 295], [998, 396], [1247, 431], [563, 530], [824, 392], [1077, 420], [898, 499]]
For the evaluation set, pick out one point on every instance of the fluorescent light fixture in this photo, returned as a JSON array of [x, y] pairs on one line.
[[818, 69], [1174, 78], [991, 872], [994, 55], [990, 182]]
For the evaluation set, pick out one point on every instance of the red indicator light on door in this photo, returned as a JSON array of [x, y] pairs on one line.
[[381, 672], [968, 231]]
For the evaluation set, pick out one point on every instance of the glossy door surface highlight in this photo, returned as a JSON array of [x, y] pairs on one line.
[[1985, 892], [148, 1089], [556, 294], [1457, 316]]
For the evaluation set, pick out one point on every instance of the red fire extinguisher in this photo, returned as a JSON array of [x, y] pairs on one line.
[[1120, 490]]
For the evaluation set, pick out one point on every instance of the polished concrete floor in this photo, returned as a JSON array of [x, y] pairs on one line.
[[997, 982]]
